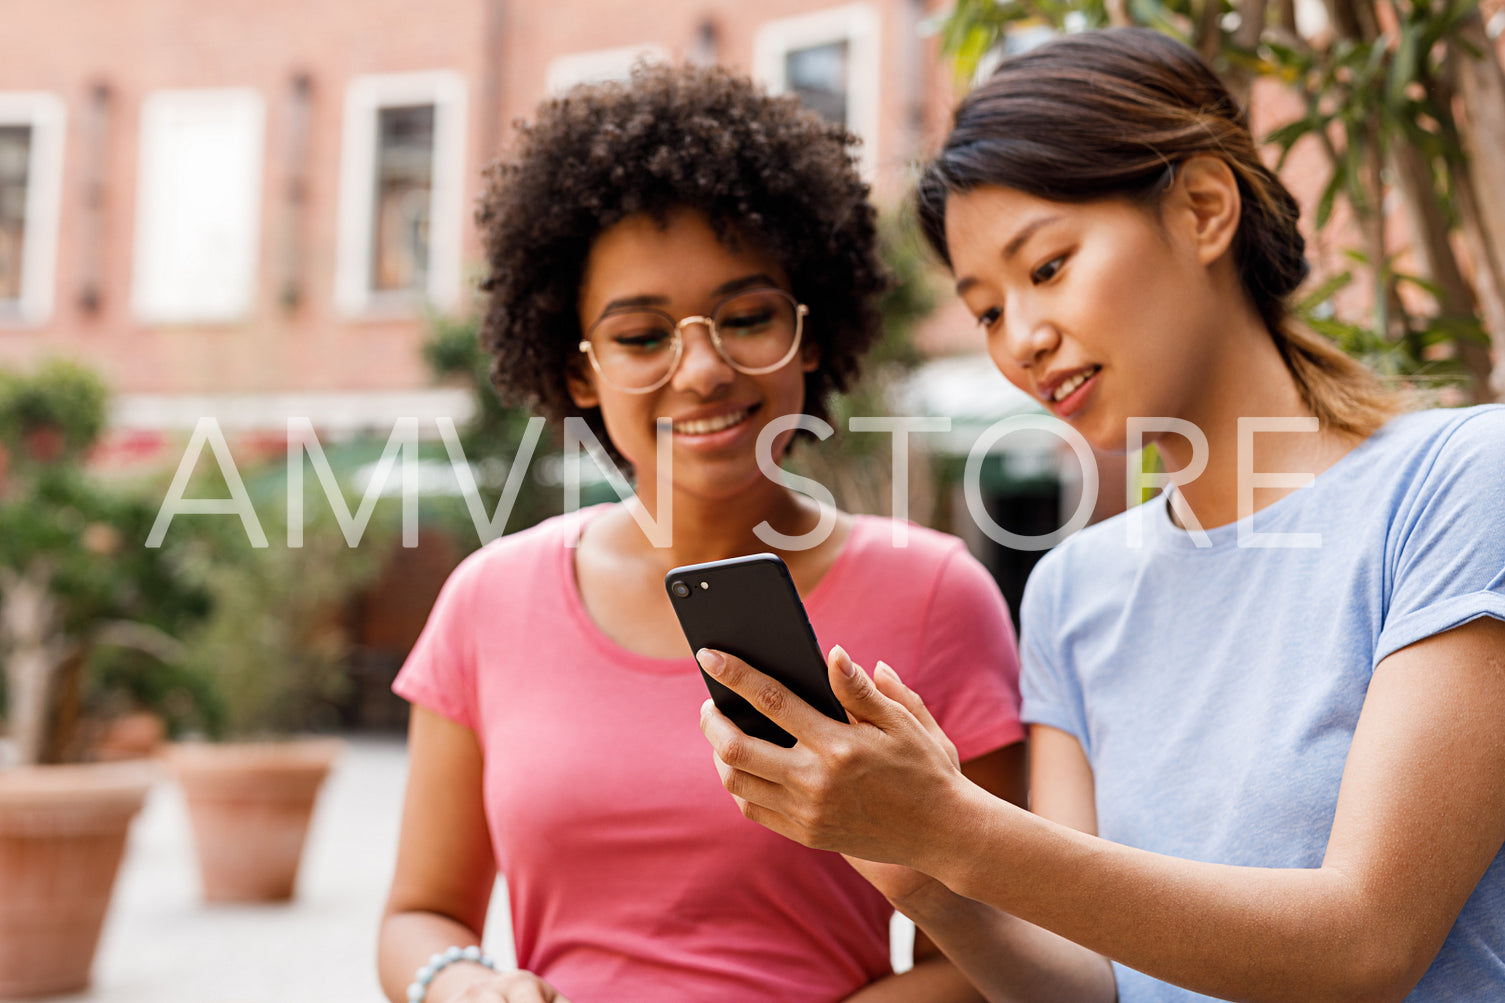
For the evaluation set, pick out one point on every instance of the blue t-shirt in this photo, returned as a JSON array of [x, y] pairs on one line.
[[1215, 686]]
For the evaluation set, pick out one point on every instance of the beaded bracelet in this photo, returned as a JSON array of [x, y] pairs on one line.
[[439, 962]]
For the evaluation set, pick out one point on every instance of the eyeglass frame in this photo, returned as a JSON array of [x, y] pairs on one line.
[[801, 311]]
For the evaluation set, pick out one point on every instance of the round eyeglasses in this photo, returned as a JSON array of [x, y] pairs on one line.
[[636, 350]]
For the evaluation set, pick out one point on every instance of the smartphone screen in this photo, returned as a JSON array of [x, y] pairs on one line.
[[749, 607]]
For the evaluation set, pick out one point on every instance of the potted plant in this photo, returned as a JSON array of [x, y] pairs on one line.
[[274, 654], [72, 584]]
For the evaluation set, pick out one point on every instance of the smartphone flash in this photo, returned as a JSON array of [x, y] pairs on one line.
[[705, 585]]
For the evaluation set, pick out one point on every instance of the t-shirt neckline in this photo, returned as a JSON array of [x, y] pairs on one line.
[[1164, 532], [569, 595]]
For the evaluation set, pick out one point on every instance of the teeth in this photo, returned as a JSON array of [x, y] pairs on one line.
[[1064, 390], [705, 426]]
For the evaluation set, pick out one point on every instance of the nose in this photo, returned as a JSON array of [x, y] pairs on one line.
[[1027, 335], [701, 369]]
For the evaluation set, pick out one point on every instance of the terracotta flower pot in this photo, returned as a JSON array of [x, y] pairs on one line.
[[250, 805], [62, 835], [138, 735]]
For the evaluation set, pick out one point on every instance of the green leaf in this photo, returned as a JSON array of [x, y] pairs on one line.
[[1330, 192], [1403, 66], [1324, 292]]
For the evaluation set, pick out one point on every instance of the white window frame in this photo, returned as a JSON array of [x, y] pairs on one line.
[[598, 65], [364, 98], [856, 24], [145, 281], [46, 115]]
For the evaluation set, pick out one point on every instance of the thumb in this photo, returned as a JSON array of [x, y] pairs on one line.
[[857, 692]]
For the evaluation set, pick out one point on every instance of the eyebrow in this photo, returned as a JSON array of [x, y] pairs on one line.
[[756, 280], [1012, 247]]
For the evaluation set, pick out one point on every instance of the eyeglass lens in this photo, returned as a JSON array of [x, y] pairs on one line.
[[636, 348]]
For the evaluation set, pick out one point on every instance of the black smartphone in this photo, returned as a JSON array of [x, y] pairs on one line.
[[749, 607]]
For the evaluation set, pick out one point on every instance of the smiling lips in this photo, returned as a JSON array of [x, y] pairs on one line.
[[1067, 386], [705, 426]]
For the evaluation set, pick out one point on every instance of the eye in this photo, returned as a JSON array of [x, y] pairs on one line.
[[989, 318], [642, 341], [642, 338], [747, 321], [1047, 271]]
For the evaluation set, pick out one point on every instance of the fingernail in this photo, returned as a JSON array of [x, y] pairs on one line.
[[843, 660], [710, 660], [885, 667]]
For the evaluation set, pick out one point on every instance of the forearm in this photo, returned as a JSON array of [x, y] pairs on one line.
[[1008, 959], [409, 939], [935, 980], [1242, 932]]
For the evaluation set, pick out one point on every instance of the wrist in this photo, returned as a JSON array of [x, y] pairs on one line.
[[458, 967], [953, 848]]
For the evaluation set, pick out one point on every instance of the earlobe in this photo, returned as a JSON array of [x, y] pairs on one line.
[[1212, 194]]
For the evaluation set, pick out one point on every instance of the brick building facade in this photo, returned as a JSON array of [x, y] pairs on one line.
[[247, 209]]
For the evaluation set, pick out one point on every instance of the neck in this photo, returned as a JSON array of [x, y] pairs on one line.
[[1254, 390], [712, 529]]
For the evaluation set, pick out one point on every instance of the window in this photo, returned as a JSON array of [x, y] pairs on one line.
[[818, 74], [404, 183], [830, 59], [198, 206], [15, 166], [31, 165], [594, 67], [401, 182]]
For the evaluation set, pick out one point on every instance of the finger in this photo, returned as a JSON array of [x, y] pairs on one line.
[[776, 822], [859, 695], [741, 751], [766, 694], [529, 993], [523, 987], [888, 681], [746, 788], [890, 685]]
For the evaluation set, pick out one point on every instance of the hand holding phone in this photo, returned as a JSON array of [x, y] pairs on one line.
[[749, 607]]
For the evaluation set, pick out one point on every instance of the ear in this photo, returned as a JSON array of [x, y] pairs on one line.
[[580, 379], [809, 356], [1209, 192]]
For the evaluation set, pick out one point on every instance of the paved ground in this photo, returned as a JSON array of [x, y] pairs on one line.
[[162, 944]]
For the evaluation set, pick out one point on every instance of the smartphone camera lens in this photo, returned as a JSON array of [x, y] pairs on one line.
[[681, 589]]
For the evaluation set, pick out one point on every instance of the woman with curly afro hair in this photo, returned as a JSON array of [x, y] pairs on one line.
[[687, 266]]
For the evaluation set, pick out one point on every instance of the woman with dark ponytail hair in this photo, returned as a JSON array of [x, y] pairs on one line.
[[1265, 706], [1096, 120]]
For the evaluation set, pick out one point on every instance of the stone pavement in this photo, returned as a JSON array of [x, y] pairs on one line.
[[162, 944]]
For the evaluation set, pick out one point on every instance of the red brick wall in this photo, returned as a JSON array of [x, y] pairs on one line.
[[67, 46]]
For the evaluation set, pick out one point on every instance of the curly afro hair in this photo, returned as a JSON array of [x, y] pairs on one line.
[[761, 169]]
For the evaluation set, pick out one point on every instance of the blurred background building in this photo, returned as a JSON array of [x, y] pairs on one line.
[[248, 210]]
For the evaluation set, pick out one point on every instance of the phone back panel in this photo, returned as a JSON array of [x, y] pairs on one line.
[[749, 607]]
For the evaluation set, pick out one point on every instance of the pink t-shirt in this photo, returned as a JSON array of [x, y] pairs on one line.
[[631, 873]]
